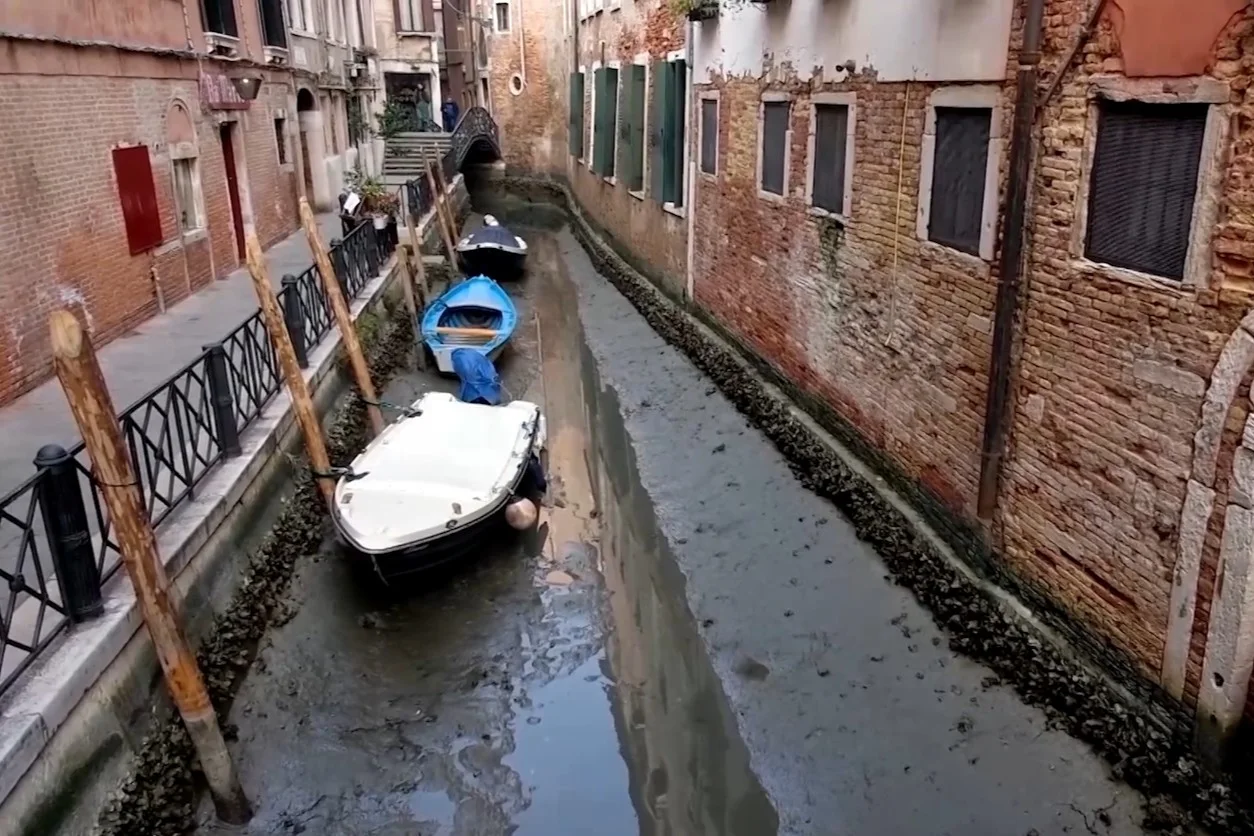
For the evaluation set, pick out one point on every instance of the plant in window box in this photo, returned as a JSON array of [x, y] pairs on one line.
[[697, 9], [377, 201]]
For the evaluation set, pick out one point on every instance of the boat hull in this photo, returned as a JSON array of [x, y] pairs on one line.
[[496, 264], [443, 355], [459, 306], [413, 560]]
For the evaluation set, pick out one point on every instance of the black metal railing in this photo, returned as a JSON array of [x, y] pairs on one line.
[[56, 546]]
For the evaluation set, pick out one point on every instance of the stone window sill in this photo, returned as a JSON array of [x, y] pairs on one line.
[[677, 211], [638, 194], [1133, 277]]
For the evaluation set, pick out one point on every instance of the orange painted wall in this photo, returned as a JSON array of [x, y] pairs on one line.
[[1169, 37]]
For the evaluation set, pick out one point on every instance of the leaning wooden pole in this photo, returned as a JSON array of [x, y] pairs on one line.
[[92, 406], [449, 212], [419, 266], [343, 318], [302, 404], [412, 309], [437, 197]]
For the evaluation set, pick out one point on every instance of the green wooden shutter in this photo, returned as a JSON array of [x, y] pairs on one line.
[[635, 119], [598, 121], [678, 104], [657, 109], [611, 120], [576, 115]]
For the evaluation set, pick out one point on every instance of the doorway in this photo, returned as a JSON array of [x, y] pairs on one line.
[[305, 104], [227, 133]]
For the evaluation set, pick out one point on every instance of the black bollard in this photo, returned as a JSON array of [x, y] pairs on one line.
[[220, 397], [69, 537], [294, 319]]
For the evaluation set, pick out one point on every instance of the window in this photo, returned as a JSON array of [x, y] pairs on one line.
[[502, 17], [280, 139], [1143, 185], [186, 194], [409, 15], [773, 153], [667, 132], [709, 136], [605, 119], [219, 17], [576, 115], [272, 29], [831, 153], [633, 96], [138, 195], [300, 15], [958, 176]]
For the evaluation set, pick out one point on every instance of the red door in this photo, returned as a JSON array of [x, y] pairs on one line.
[[232, 186]]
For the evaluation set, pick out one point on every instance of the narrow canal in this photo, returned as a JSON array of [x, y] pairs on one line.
[[691, 644]]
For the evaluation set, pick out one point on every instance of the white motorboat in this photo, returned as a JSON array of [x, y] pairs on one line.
[[433, 483]]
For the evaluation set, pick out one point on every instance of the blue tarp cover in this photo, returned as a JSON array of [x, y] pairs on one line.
[[480, 382]]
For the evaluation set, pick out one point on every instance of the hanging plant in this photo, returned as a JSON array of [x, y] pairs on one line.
[[696, 9]]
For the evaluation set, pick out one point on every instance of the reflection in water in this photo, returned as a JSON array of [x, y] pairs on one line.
[[690, 773]]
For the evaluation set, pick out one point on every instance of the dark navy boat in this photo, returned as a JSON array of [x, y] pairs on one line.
[[493, 251]]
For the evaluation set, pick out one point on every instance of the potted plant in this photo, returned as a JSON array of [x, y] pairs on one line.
[[696, 9], [377, 201]]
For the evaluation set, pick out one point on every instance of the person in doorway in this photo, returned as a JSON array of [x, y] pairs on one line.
[[450, 111], [425, 122]]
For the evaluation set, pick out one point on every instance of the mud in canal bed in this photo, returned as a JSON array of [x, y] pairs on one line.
[[691, 644]]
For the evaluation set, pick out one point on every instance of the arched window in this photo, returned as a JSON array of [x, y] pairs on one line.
[[189, 201]]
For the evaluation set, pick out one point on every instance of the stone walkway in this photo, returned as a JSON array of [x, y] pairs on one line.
[[137, 362]]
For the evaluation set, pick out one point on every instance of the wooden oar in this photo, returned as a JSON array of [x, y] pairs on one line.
[[467, 332]]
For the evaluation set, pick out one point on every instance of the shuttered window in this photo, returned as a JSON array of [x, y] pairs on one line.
[[774, 145], [576, 116], [605, 118], [1144, 185], [958, 175], [631, 127], [709, 136], [668, 132], [138, 195], [831, 135]]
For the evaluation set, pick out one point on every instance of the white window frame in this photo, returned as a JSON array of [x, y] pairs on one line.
[[285, 139], [641, 59], [702, 98], [984, 96], [586, 159], [188, 151], [773, 97], [1210, 172], [592, 114], [509, 17], [669, 206], [415, 13], [850, 102], [612, 179]]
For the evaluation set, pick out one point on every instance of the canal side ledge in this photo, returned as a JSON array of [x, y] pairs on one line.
[[991, 616], [69, 726]]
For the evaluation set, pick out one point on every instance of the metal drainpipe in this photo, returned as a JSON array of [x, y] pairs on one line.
[[997, 412], [689, 135]]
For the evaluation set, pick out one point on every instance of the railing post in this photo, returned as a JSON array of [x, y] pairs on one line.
[[220, 397], [294, 319], [340, 264], [69, 537]]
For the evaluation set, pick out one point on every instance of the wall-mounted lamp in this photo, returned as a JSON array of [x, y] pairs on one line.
[[248, 86]]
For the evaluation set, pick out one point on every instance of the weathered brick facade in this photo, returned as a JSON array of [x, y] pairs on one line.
[[531, 111], [64, 108], [1119, 409], [643, 31]]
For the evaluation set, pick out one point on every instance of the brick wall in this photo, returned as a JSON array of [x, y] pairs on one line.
[[1111, 380], [532, 123], [642, 31], [60, 207], [895, 333]]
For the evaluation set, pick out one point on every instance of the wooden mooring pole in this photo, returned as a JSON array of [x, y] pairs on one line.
[[343, 318], [412, 308], [419, 266], [449, 212], [302, 404], [438, 199], [77, 369]]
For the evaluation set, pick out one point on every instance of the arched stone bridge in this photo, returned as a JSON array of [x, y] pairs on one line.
[[476, 138]]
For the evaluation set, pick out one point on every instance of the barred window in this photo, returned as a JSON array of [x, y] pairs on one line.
[[958, 176]]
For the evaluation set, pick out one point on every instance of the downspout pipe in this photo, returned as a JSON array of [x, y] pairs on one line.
[[1001, 366]]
